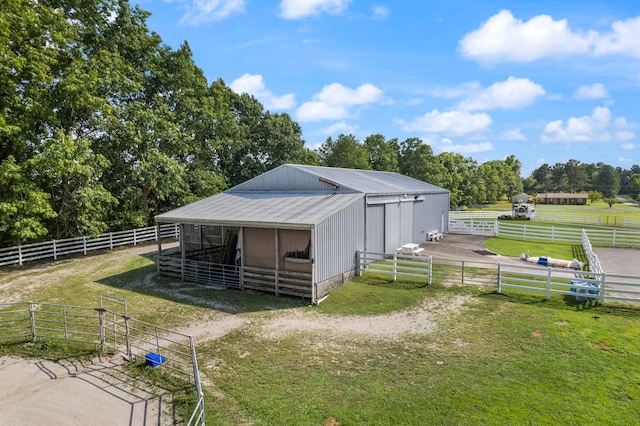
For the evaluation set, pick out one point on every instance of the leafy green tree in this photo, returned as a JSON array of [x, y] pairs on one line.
[[415, 159], [383, 154], [24, 208], [345, 152], [610, 200], [633, 187], [576, 176], [594, 196], [71, 171], [607, 181], [543, 177]]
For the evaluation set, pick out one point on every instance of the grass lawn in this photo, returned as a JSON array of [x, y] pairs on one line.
[[513, 248], [496, 359]]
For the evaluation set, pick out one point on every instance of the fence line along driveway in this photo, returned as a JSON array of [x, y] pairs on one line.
[[82, 245], [602, 286], [553, 234]]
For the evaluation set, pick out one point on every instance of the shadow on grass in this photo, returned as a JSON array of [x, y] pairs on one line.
[[565, 302], [145, 280]]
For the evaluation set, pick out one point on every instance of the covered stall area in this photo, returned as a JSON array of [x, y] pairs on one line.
[[273, 260]]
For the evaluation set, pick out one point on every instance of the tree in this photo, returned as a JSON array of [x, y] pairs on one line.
[[383, 155], [345, 152], [416, 159], [633, 187], [594, 196], [607, 181], [71, 171], [576, 176], [24, 208], [610, 200], [543, 177]]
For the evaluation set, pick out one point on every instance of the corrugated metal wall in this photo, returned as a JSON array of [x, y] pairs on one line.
[[338, 239], [392, 235], [430, 214], [375, 228]]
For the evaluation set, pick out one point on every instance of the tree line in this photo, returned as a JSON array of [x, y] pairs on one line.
[[574, 176], [102, 126]]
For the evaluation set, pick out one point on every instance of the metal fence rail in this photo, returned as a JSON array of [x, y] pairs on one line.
[[58, 248], [108, 331]]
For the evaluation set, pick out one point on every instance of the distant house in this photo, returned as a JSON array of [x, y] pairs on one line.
[[295, 230], [562, 198], [521, 199]]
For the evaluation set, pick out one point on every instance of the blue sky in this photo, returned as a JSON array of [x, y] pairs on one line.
[[546, 81]]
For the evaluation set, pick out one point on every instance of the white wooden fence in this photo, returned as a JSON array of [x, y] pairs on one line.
[[555, 234], [581, 285], [58, 248], [555, 217]]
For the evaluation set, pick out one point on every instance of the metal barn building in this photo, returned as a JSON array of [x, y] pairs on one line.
[[295, 230]]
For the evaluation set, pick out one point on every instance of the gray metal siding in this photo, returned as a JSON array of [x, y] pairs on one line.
[[392, 234], [406, 223], [431, 214], [338, 239], [375, 228]]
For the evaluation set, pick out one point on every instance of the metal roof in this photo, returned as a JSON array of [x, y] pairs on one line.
[[261, 208], [367, 181]]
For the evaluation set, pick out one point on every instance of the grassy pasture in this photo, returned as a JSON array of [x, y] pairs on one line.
[[496, 359]]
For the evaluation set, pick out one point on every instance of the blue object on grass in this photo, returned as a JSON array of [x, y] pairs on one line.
[[582, 289], [542, 261], [154, 359]]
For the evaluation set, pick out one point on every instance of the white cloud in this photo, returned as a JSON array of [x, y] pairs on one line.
[[203, 11], [623, 40], [472, 148], [625, 160], [253, 84], [509, 94], [450, 122], [380, 12], [514, 135], [298, 9], [597, 127], [341, 127], [594, 91], [627, 147], [334, 101], [505, 38]]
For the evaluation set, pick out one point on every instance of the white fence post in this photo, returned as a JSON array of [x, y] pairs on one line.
[[135, 238], [395, 264], [430, 269], [84, 245], [548, 283], [55, 253], [20, 255], [499, 276]]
